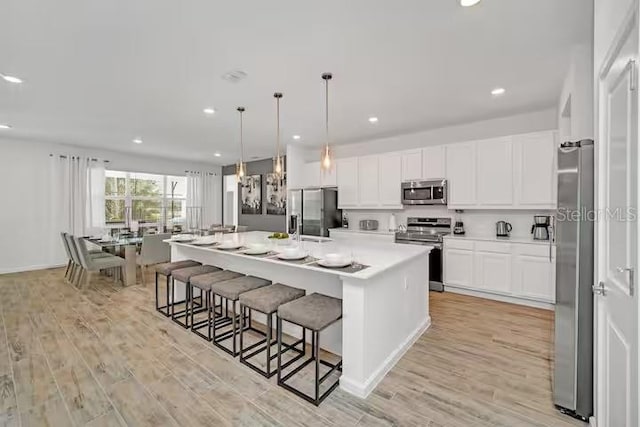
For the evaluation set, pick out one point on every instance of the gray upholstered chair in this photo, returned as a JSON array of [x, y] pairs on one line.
[[92, 264], [154, 251], [70, 264]]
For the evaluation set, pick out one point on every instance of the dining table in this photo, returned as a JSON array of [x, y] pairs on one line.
[[129, 245]]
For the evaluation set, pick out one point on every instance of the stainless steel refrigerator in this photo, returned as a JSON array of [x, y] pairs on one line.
[[318, 209], [573, 371]]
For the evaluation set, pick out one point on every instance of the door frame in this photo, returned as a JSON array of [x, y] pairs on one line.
[[626, 26]]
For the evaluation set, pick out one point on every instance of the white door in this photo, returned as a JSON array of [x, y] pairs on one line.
[[391, 172], [617, 360], [461, 173], [368, 176], [347, 181], [494, 173]]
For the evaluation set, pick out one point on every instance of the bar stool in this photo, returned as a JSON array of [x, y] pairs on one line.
[[230, 290], [266, 300], [204, 283], [314, 312], [184, 275], [165, 269]]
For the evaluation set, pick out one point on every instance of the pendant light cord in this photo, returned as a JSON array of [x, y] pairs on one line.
[[278, 126], [241, 110], [326, 103]]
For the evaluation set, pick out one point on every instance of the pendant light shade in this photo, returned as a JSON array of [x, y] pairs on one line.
[[278, 163], [241, 167], [326, 159]]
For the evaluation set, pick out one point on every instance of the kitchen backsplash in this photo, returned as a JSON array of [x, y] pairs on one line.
[[476, 222]]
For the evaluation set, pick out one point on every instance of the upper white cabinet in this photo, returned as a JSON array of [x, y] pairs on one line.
[[314, 176], [347, 181], [389, 178], [368, 181], [461, 174], [433, 162], [328, 178], [535, 175], [412, 165], [494, 172]]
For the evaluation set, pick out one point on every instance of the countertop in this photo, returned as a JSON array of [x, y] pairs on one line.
[[380, 256], [489, 238], [355, 230]]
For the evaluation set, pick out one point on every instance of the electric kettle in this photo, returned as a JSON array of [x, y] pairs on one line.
[[503, 229]]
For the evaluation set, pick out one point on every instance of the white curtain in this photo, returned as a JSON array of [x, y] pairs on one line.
[[76, 194], [204, 203]]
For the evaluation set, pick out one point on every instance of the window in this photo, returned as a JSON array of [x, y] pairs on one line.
[[151, 200]]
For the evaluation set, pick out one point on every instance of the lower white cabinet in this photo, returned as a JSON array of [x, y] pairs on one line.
[[521, 271]]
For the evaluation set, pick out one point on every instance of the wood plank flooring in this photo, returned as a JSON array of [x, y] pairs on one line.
[[104, 357]]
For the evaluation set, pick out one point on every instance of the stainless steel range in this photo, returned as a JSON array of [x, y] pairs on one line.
[[428, 231]]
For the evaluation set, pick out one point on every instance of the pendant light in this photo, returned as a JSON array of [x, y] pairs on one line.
[[278, 164], [241, 167], [326, 162]]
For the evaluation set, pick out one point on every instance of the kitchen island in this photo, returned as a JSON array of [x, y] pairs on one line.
[[385, 304]]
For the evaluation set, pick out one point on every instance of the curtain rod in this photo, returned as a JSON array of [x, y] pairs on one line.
[[198, 172], [93, 159]]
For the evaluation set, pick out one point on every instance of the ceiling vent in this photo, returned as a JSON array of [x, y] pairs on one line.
[[234, 76]]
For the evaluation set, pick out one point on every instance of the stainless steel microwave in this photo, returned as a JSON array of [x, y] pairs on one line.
[[432, 192]]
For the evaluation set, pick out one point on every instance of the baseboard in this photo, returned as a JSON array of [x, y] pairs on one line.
[[498, 297], [592, 421], [363, 390], [30, 268]]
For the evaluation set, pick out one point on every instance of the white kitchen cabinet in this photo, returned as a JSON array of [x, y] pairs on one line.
[[534, 272], [390, 176], [368, 182], [458, 263], [328, 178], [535, 170], [494, 173], [347, 182], [492, 267], [461, 174], [412, 165], [433, 162], [311, 175]]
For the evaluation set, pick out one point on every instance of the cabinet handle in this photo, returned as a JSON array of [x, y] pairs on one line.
[[631, 273], [632, 75]]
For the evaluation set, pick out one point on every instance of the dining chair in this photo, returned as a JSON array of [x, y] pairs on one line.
[[242, 228], [154, 251], [92, 264], [70, 263]]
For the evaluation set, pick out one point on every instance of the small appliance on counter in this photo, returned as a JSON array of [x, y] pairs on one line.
[[345, 220], [368, 224], [503, 229], [458, 228], [540, 227]]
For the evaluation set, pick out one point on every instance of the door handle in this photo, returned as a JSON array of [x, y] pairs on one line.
[[632, 274], [599, 289]]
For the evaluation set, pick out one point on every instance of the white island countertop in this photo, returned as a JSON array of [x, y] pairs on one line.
[[378, 256]]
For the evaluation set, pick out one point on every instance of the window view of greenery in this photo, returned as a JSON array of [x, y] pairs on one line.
[[148, 199]]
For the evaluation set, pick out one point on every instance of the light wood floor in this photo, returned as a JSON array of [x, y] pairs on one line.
[[104, 357]]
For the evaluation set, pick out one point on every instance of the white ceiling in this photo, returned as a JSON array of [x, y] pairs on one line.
[[99, 73]]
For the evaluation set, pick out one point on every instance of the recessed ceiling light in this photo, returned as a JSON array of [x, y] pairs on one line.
[[373, 120], [296, 137], [5, 126], [498, 91], [137, 141], [467, 3], [217, 154], [209, 110], [11, 79]]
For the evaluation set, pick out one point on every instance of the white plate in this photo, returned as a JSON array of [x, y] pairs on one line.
[[204, 241], [229, 246], [257, 251], [292, 257], [334, 264], [183, 238]]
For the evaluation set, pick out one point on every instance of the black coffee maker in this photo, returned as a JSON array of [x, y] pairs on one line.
[[540, 227]]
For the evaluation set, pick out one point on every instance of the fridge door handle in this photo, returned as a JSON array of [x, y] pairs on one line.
[[599, 289], [631, 272]]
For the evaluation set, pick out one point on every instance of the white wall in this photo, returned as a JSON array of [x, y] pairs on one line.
[[575, 106], [26, 241]]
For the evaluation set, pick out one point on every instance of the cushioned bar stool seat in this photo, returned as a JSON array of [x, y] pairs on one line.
[[204, 283], [165, 269], [315, 312], [184, 275], [266, 300], [230, 290]]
